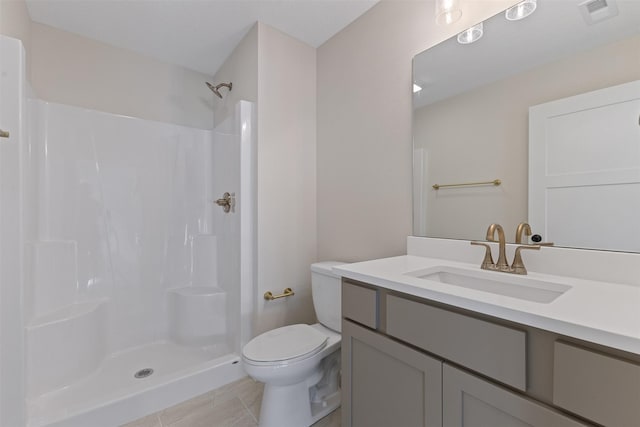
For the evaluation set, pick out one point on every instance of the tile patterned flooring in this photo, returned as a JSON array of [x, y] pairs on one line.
[[234, 405]]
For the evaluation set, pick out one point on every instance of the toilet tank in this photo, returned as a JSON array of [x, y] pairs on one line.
[[326, 293]]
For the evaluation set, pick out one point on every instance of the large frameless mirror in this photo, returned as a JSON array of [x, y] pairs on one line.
[[561, 83]]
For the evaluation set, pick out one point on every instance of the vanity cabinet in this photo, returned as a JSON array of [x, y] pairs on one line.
[[411, 362], [600, 387], [469, 401], [389, 384]]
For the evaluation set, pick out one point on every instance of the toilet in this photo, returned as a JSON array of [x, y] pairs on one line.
[[300, 364]]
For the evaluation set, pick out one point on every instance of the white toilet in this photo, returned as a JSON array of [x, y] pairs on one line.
[[300, 364]]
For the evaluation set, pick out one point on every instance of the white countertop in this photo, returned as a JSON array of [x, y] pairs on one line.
[[599, 312]]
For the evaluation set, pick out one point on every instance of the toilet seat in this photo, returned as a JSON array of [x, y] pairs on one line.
[[285, 344]]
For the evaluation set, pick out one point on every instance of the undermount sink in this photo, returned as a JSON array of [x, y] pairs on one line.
[[521, 287]]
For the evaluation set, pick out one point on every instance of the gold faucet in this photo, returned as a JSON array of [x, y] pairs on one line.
[[523, 228], [502, 263], [517, 267]]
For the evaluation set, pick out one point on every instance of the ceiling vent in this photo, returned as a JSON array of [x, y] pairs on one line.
[[594, 11]]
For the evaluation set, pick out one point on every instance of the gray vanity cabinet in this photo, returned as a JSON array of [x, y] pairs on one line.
[[387, 384], [469, 401], [411, 362]]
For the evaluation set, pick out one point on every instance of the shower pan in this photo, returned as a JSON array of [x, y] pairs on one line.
[[136, 287]]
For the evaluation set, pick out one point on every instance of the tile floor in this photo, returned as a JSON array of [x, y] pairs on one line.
[[234, 405]]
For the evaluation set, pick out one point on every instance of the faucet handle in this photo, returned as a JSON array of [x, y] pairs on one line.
[[487, 262], [518, 266], [523, 231]]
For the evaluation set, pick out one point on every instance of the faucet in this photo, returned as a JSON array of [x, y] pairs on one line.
[[517, 267], [502, 263], [523, 228]]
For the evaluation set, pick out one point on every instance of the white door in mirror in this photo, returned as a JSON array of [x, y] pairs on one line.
[[584, 169]]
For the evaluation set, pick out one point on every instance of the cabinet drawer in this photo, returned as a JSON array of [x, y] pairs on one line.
[[598, 387], [490, 349], [360, 304]]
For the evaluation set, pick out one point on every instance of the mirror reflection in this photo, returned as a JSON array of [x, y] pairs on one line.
[[473, 112]]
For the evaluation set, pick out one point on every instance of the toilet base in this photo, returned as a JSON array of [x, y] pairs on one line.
[[289, 406]]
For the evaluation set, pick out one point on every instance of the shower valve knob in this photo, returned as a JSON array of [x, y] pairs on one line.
[[227, 202]]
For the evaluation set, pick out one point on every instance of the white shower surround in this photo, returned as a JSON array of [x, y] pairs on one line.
[[127, 262]]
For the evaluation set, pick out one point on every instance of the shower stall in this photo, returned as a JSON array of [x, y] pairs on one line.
[[134, 288]]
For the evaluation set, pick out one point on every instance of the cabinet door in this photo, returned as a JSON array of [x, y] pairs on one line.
[[597, 386], [472, 402], [385, 383]]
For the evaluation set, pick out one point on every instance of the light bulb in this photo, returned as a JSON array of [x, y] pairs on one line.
[[521, 10], [472, 34], [447, 11]]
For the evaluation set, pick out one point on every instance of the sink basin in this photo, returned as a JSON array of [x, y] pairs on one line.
[[510, 285]]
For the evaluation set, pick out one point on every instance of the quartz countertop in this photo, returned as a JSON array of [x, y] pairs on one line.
[[599, 312]]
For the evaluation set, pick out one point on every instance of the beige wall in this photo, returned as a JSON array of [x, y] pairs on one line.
[[364, 125], [240, 68], [286, 177], [15, 22], [279, 73], [493, 143], [74, 70], [69, 69]]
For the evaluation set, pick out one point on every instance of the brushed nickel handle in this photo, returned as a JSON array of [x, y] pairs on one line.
[[4, 134], [269, 296]]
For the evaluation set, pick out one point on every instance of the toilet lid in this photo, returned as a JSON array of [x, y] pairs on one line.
[[284, 343]]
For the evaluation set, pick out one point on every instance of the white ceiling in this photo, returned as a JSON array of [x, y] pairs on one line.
[[197, 34]]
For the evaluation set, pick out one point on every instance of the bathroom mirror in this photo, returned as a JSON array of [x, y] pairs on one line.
[[471, 116]]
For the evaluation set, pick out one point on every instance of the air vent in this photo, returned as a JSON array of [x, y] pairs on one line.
[[594, 11], [596, 5]]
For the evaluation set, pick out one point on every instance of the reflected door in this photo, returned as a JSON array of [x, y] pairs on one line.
[[584, 169]]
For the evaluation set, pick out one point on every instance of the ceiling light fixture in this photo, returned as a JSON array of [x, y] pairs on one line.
[[447, 11], [521, 10], [471, 35]]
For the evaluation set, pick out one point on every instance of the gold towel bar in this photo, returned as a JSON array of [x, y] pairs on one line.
[[287, 293], [494, 182]]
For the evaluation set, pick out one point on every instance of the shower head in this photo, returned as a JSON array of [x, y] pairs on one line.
[[216, 89]]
